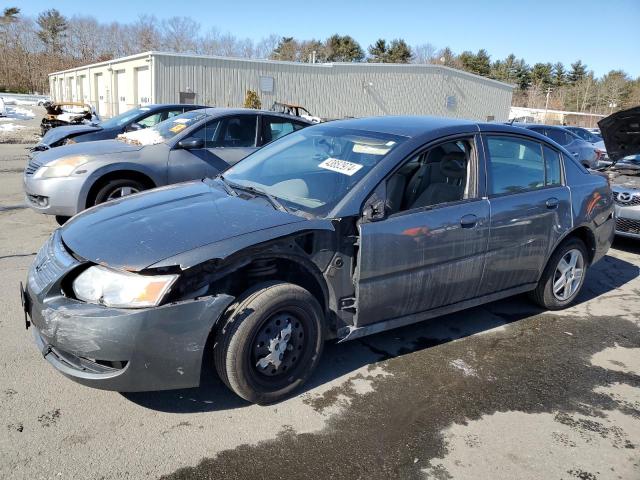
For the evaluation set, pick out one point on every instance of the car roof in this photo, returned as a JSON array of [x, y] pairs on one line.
[[406, 126], [220, 111], [158, 106]]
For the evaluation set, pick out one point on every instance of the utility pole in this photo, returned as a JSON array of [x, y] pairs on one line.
[[546, 105]]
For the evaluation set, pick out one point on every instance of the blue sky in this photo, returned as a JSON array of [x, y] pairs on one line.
[[603, 33]]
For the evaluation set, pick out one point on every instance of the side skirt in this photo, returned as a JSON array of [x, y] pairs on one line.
[[351, 333]]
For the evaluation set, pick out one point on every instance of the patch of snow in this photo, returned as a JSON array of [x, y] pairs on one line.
[[147, 136], [9, 127], [467, 370]]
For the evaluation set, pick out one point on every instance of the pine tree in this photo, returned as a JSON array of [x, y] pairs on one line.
[[378, 51], [343, 49], [559, 75], [52, 29], [577, 73], [398, 52]]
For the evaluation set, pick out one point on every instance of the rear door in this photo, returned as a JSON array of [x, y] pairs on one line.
[[424, 255], [530, 209]]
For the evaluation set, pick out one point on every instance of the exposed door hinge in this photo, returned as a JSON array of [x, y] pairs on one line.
[[348, 304]]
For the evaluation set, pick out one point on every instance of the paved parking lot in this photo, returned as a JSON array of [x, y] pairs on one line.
[[501, 391]]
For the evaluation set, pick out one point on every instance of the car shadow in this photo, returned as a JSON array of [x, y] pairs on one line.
[[629, 245], [341, 359]]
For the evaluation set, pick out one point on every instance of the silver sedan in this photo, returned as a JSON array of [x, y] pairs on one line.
[[197, 144]]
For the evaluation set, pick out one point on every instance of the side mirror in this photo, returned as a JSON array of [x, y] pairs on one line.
[[134, 127], [374, 211], [191, 143]]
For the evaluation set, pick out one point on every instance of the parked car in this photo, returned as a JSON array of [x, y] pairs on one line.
[[593, 138], [621, 133], [582, 150], [129, 121], [200, 143], [61, 114], [339, 230]]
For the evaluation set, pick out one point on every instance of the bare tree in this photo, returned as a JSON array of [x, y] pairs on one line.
[[180, 34], [425, 53]]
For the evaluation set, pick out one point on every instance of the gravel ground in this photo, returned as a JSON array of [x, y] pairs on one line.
[[502, 391]]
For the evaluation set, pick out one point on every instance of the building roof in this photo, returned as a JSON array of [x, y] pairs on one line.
[[380, 66]]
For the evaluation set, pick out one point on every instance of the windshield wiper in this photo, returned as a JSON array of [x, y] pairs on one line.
[[259, 191], [226, 186]]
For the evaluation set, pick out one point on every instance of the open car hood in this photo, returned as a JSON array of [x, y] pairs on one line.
[[621, 133]]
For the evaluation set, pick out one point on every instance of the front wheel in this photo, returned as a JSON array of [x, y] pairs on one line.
[[563, 276], [270, 342], [115, 189]]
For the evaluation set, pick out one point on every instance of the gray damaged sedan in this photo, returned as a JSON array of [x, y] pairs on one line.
[[201, 143], [336, 231]]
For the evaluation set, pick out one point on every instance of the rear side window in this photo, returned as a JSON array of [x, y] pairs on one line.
[[274, 128], [238, 132], [551, 167], [515, 165], [559, 136]]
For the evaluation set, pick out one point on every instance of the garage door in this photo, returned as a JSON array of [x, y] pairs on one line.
[[143, 86], [121, 91], [101, 94], [85, 96]]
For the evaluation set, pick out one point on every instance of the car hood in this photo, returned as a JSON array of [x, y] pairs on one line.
[[100, 147], [138, 231], [621, 133], [56, 134]]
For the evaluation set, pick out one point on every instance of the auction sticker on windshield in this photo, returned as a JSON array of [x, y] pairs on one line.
[[340, 166]]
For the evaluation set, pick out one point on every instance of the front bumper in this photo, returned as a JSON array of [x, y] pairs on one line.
[[125, 350], [63, 194]]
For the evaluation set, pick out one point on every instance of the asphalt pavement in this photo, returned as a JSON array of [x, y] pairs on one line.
[[501, 391]]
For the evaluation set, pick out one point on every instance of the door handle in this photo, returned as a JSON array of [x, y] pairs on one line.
[[468, 221], [552, 203]]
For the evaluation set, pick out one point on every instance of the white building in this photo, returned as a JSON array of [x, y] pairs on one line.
[[330, 90], [554, 117]]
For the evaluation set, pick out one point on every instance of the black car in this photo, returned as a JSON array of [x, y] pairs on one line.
[[134, 119], [337, 230]]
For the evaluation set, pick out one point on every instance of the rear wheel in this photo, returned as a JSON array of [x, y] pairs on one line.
[[563, 276], [270, 342], [115, 189]]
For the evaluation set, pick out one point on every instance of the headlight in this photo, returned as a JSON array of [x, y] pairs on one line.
[[63, 167], [121, 289]]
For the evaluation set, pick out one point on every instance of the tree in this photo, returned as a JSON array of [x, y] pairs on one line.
[[52, 29], [343, 49], [478, 63], [559, 75], [447, 58], [399, 52], [307, 49], [378, 51], [10, 15], [287, 50], [541, 75], [615, 89], [424, 53], [396, 52], [577, 73], [180, 34], [252, 100]]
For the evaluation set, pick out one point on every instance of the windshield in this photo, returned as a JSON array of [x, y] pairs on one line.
[[124, 118], [313, 169], [163, 131], [585, 135]]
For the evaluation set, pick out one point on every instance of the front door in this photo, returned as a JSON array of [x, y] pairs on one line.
[[429, 252], [530, 210], [226, 142]]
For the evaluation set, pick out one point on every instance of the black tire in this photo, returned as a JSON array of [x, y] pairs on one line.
[[62, 219], [113, 186], [239, 342], [543, 295]]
